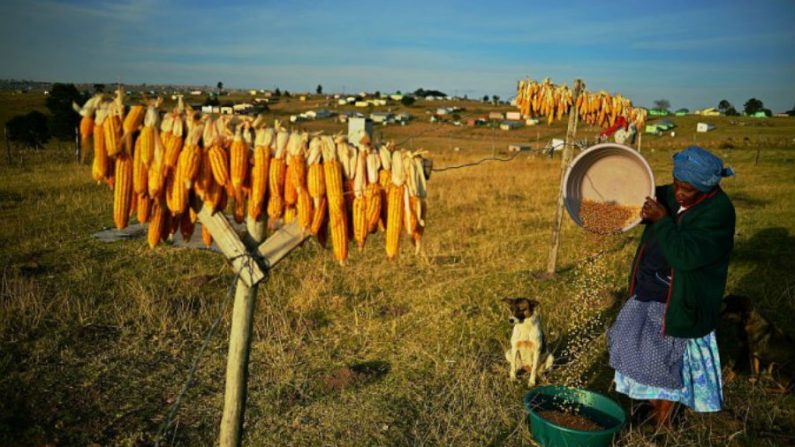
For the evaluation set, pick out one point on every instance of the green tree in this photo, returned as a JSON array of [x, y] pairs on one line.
[[99, 88], [319, 89], [662, 104], [220, 86], [485, 98], [724, 105], [731, 111], [495, 99], [407, 100], [29, 130], [753, 105], [64, 119]]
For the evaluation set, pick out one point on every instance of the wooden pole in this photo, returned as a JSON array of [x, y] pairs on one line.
[[77, 145], [8, 144], [571, 133], [239, 347]]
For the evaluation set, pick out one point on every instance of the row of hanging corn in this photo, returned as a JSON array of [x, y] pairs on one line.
[[595, 109], [157, 165]]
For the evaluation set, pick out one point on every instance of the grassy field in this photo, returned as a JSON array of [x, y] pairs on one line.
[[96, 339]]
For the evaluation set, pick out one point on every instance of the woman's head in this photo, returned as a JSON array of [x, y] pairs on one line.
[[696, 171]]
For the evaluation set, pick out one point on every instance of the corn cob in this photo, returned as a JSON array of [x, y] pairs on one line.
[[122, 191], [332, 172], [147, 135], [384, 180], [187, 224], [360, 227], [175, 142], [318, 216], [395, 205], [132, 121], [259, 171], [86, 112], [276, 177], [239, 155], [140, 182], [156, 171], [372, 192], [315, 181], [143, 207], [99, 167], [112, 132], [156, 224], [220, 164], [204, 178]]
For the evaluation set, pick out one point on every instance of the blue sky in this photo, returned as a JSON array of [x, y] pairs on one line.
[[693, 53]]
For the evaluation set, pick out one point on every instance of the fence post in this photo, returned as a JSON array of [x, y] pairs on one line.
[[8, 144], [571, 133], [77, 145]]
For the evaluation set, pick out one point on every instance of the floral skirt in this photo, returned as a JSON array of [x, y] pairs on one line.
[[698, 377]]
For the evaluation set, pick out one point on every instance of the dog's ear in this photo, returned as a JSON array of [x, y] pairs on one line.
[[509, 301], [533, 304]]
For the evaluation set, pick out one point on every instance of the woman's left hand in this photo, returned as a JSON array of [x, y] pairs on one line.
[[652, 210]]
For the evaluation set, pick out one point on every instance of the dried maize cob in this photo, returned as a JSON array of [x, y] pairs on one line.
[[156, 172], [99, 166], [276, 177], [175, 142], [122, 191], [395, 206], [207, 237], [338, 225], [143, 207], [140, 182], [318, 216], [259, 171], [220, 164], [157, 224], [239, 155], [147, 135]]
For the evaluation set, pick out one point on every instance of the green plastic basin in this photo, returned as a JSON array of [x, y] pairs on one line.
[[599, 408]]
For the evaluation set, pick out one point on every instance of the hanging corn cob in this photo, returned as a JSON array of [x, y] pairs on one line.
[[140, 182], [384, 180], [122, 190], [394, 219], [187, 170], [372, 193], [259, 171], [156, 171], [87, 112], [113, 127], [99, 166], [338, 217], [276, 176], [359, 205], [147, 135], [316, 184]]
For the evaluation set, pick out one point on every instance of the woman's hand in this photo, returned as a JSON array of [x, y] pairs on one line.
[[652, 210]]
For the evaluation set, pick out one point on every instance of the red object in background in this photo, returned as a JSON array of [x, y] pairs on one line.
[[621, 123]]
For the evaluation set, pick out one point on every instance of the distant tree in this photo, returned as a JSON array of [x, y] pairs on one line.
[[64, 119], [99, 88], [319, 89], [220, 86], [791, 112], [495, 99], [485, 98], [753, 105], [212, 101], [29, 130], [768, 112], [398, 92], [662, 104], [287, 93], [277, 92], [377, 94], [466, 98], [724, 105], [407, 100], [731, 111]]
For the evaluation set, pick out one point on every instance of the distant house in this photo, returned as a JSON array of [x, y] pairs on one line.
[[252, 92], [403, 117], [510, 125], [318, 114], [239, 108], [441, 111], [358, 126], [516, 116], [710, 111], [496, 116], [396, 97], [518, 147], [381, 117], [226, 110], [658, 112], [682, 112], [532, 121], [195, 92], [659, 127], [362, 103]]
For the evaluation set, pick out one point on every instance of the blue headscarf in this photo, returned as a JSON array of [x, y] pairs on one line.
[[700, 168]]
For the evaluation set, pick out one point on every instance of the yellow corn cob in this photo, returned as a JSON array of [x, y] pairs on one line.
[[132, 121], [112, 132], [187, 225], [220, 164], [318, 216], [214, 194], [289, 214], [140, 181], [207, 237], [156, 225], [384, 180], [99, 167], [239, 154], [359, 221], [290, 191], [189, 163], [410, 218], [86, 127], [205, 176], [372, 197], [315, 181], [276, 179], [174, 144], [394, 220], [304, 209], [156, 172], [143, 207], [259, 180], [122, 191]]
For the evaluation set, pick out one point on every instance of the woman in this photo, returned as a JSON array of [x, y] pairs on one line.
[[662, 345]]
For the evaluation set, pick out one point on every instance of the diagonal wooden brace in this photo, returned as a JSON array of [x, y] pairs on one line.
[[229, 243]]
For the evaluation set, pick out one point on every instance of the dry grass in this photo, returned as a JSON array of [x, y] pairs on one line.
[[96, 339]]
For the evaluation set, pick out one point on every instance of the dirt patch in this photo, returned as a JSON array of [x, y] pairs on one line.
[[355, 375], [570, 420]]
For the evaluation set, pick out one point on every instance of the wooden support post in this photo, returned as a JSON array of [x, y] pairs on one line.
[[239, 348], [271, 251], [8, 144], [571, 133]]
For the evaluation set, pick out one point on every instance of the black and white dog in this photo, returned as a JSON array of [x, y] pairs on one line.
[[527, 340]]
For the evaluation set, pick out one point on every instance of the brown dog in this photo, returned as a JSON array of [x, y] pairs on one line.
[[768, 347]]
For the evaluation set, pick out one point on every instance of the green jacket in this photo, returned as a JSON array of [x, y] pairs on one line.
[[696, 244]]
